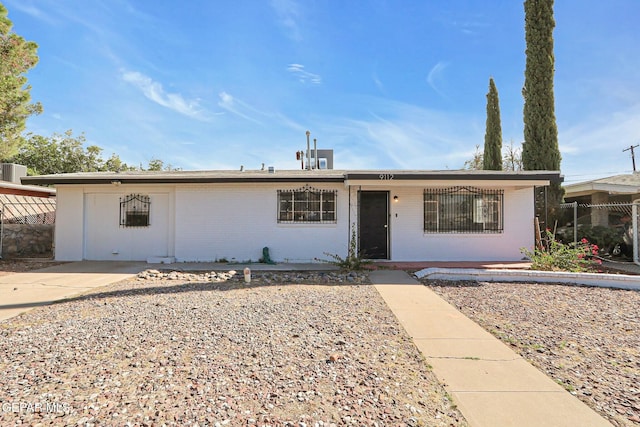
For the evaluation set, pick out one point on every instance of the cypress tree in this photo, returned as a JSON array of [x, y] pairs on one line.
[[540, 150], [492, 159]]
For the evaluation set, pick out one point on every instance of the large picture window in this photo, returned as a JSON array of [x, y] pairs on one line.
[[134, 210], [307, 204], [463, 210]]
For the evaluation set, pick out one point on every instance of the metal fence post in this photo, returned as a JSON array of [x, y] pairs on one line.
[[634, 216]]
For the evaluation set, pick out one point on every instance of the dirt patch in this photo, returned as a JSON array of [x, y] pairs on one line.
[[9, 266]]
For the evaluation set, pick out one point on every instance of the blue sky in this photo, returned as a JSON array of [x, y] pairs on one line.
[[397, 84]]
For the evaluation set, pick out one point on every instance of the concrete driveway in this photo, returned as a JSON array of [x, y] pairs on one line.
[[20, 292]]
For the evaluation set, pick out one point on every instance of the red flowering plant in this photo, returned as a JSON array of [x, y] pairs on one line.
[[557, 256]]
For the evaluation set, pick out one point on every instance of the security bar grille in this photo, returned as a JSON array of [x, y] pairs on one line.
[[307, 204], [463, 210], [134, 211]]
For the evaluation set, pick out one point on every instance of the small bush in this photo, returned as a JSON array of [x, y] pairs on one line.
[[557, 256], [353, 261]]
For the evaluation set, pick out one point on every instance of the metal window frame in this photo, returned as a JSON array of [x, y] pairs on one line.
[[301, 209], [464, 210], [135, 206]]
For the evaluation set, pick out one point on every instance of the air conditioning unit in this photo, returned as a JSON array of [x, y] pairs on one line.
[[12, 172]]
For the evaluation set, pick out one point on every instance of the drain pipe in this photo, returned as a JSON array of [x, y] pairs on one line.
[[634, 215], [575, 223]]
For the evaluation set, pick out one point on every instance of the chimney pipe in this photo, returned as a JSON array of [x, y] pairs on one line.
[[315, 153], [308, 151]]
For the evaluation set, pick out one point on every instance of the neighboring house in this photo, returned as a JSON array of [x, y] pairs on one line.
[[613, 190], [23, 204], [300, 215], [27, 215]]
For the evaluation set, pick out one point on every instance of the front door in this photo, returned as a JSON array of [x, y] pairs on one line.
[[373, 229]]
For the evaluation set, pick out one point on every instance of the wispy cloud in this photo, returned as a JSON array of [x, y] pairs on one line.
[[594, 147], [378, 82], [288, 12], [155, 92], [435, 77], [237, 107], [31, 10], [303, 75], [407, 137]]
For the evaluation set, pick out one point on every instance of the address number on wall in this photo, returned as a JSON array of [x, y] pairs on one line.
[[386, 176]]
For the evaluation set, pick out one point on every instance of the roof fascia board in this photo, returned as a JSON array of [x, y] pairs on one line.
[[176, 180], [448, 183]]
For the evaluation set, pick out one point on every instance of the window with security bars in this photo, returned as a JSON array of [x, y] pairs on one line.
[[307, 205], [463, 210], [134, 210]]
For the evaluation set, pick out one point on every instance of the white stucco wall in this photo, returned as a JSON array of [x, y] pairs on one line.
[[69, 229], [208, 222], [409, 242], [106, 240], [235, 221], [87, 224]]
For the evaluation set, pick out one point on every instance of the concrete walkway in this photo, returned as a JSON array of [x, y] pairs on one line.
[[491, 384]]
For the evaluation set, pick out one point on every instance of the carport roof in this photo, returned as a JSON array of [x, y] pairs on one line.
[[617, 184]]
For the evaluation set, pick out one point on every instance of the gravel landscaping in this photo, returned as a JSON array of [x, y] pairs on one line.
[[587, 339], [298, 349]]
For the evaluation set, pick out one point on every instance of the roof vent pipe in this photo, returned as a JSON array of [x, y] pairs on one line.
[[315, 153], [308, 151]]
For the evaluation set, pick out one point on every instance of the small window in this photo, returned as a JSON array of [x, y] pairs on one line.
[[134, 211], [463, 210], [307, 204]]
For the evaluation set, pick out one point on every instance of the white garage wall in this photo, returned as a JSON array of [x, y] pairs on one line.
[[87, 224], [106, 240], [235, 221]]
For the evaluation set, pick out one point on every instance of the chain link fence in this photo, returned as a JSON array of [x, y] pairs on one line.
[[612, 226]]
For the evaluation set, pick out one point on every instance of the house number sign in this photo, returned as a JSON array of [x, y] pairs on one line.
[[386, 176]]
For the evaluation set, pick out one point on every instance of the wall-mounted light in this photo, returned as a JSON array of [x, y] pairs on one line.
[[116, 182], [395, 199]]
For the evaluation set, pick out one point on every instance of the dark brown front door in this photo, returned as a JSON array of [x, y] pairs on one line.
[[374, 224]]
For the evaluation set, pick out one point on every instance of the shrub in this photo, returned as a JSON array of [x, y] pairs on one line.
[[557, 256], [353, 261]]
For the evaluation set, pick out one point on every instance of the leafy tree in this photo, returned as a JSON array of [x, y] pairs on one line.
[[476, 162], [159, 165], [64, 154], [492, 158], [17, 56], [540, 148]]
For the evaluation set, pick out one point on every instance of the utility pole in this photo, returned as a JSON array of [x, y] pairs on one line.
[[633, 156]]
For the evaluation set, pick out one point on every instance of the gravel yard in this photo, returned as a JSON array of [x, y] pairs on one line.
[[191, 349], [587, 339]]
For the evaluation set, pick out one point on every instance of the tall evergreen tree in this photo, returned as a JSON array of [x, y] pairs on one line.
[[540, 148], [492, 158], [17, 56]]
